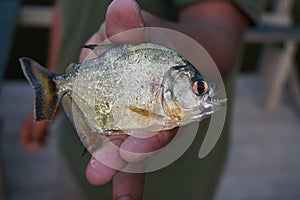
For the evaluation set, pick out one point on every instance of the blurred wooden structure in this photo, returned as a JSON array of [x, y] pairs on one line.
[[35, 16], [276, 61]]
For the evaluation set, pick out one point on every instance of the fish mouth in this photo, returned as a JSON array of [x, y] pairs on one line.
[[207, 107], [211, 105], [214, 103]]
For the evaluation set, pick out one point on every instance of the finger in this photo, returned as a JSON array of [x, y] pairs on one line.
[[97, 173], [97, 38], [33, 134], [26, 137], [40, 132], [105, 162], [135, 149], [123, 15], [128, 186]]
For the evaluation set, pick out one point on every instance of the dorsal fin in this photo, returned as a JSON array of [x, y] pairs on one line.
[[101, 48]]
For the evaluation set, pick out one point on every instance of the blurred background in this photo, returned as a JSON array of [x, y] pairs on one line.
[[263, 160]]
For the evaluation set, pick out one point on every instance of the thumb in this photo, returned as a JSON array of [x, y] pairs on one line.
[[123, 15]]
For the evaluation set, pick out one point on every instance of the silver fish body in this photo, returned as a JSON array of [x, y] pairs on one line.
[[128, 88]]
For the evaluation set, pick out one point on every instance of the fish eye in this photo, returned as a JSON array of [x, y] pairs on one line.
[[200, 87]]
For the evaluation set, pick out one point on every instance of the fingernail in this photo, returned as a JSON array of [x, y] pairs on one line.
[[95, 164], [125, 197]]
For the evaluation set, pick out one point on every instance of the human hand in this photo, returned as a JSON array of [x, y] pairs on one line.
[[122, 15], [33, 134], [215, 31]]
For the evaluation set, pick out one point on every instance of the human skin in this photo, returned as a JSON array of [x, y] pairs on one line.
[[213, 24]]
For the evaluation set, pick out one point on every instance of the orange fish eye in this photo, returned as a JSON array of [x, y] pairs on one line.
[[200, 88]]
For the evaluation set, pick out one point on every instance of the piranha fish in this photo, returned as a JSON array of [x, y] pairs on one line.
[[128, 88]]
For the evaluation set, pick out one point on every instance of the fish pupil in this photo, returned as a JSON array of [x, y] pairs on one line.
[[200, 87]]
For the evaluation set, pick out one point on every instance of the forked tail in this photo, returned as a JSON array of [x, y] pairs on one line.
[[44, 85]]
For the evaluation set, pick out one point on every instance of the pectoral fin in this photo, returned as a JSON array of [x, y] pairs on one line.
[[145, 113], [140, 111]]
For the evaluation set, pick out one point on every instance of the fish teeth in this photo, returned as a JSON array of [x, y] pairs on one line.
[[219, 100]]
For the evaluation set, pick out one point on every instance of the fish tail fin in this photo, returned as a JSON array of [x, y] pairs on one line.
[[44, 85]]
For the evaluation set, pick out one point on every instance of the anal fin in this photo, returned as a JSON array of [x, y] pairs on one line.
[[88, 138]]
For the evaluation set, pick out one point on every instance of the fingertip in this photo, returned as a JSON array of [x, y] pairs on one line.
[[123, 6], [123, 15], [31, 147], [105, 162], [98, 174]]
